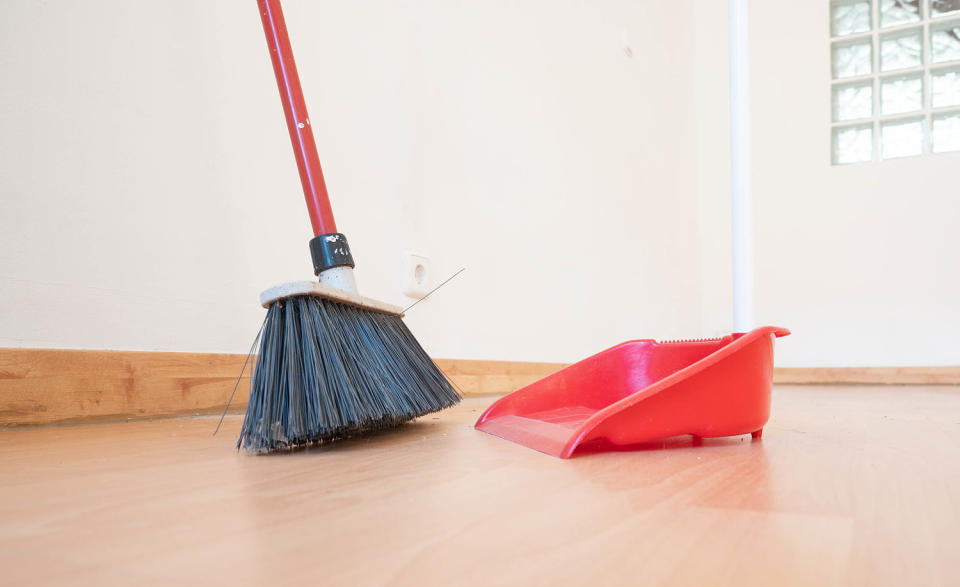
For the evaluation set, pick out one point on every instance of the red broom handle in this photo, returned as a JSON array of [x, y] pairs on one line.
[[298, 122]]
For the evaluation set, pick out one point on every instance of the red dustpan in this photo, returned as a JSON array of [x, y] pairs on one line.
[[644, 390]]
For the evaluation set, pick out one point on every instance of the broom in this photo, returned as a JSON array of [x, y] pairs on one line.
[[331, 363]]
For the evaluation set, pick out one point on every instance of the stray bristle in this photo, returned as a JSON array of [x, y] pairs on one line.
[[326, 370]]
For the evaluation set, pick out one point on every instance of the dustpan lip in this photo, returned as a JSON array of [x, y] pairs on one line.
[[739, 341]]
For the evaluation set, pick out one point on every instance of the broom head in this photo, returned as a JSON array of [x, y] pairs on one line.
[[333, 364]]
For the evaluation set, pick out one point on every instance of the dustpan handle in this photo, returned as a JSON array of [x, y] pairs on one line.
[[298, 122]]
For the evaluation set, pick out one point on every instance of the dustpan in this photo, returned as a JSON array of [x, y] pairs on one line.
[[644, 390]]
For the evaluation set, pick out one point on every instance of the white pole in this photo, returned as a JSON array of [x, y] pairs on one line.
[[740, 168]]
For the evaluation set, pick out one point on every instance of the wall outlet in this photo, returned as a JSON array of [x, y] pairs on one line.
[[417, 275]]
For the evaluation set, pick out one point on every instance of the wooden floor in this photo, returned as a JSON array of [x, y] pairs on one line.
[[849, 485]]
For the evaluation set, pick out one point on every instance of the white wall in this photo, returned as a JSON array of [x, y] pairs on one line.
[[860, 261], [148, 191]]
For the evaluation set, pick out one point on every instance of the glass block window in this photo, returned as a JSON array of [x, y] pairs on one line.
[[945, 90], [946, 133], [901, 94], [895, 66], [901, 50], [850, 17], [852, 144], [895, 12], [853, 101], [944, 8]]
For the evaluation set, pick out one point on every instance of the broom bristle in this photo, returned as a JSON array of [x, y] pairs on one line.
[[327, 370]]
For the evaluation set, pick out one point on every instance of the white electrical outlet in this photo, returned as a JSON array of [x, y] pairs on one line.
[[417, 275]]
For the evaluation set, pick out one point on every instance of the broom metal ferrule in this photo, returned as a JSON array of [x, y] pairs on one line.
[[329, 251], [332, 261]]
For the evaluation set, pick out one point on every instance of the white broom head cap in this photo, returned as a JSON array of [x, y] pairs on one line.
[[322, 290]]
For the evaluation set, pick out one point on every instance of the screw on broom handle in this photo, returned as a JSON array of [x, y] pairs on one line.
[[295, 109]]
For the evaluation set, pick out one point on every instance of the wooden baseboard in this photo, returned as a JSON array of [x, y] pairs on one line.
[[868, 375], [53, 386], [473, 378], [49, 386]]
